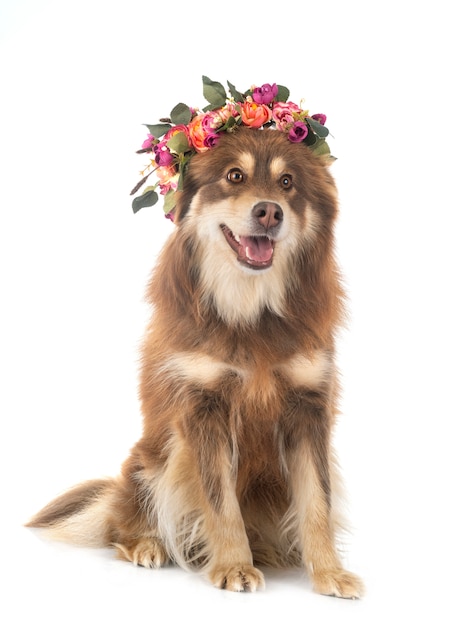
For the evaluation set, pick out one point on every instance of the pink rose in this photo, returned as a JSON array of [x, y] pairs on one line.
[[320, 117], [216, 119], [163, 156], [283, 114], [265, 94], [168, 178], [211, 140], [255, 115], [148, 142], [210, 122], [228, 111], [298, 132]]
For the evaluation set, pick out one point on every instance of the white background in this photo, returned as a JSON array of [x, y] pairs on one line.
[[78, 80]]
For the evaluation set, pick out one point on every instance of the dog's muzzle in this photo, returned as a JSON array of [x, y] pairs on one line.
[[256, 250]]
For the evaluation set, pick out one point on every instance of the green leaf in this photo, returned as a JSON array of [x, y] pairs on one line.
[[229, 124], [178, 143], [184, 163], [321, 131], [148, 198], [283, 94], [311, 139], [321, 148], [181, 114], [236, 95], [157, 130], [169, 202], [214, 92]]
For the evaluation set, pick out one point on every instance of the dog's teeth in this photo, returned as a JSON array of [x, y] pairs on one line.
[[236, 238]]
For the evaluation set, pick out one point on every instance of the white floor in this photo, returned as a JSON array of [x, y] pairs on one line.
[[55, 584]]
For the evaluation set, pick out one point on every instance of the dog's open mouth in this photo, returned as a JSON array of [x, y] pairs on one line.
[[252, 251]]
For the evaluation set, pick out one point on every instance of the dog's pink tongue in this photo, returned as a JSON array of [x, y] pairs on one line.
[[257, 248]]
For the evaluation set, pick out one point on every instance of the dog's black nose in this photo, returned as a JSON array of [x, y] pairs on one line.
[[268, 214]]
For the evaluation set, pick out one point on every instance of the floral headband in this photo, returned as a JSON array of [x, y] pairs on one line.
[[188, 131]]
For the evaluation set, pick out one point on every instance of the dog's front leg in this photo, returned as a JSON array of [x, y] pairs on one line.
[[307, 434], [207, 433]]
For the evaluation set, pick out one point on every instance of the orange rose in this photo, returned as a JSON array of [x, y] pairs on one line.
[[255, 115], [197, 133], [179, 128]]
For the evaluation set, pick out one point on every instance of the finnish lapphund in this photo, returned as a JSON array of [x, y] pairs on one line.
[[235, 466]]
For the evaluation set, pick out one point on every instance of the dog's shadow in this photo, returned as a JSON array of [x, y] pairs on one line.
[[291, 578]]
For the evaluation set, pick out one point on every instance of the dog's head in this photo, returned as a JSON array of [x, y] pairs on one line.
[[253, 206]]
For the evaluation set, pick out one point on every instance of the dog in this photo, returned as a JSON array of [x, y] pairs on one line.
[[235, 467]]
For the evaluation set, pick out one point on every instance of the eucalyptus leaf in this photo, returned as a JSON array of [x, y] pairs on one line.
[[236, 95], [321, 131], [214, 92], [311, 139], [321, 148], [178, 143], [283, 94], [230, 123], [149, 198], [157, 130], [149, 188], [169, 201], [182, 170], [181, 114]]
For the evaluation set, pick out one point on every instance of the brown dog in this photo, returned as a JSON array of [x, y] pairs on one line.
[[238, 386]]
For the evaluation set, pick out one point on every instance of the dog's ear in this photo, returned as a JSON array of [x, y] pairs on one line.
[[184, 198]]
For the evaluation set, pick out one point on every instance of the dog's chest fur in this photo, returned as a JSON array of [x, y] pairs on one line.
[[207, 371]]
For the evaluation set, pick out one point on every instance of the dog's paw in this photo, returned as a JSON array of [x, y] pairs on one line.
[[339, 583], [237, 578], [147, 552]]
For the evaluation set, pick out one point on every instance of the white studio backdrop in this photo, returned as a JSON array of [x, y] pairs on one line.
[[78, 80]]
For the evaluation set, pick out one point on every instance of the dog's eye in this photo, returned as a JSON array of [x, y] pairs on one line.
[[286, 181], [235, 175]]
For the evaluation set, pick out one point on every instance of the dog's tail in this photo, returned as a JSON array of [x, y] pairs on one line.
[[83, 515]]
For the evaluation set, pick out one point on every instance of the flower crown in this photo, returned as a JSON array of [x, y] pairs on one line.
[[176, 139]]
